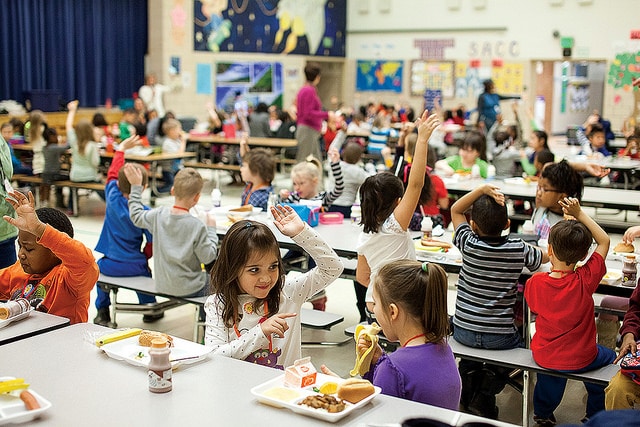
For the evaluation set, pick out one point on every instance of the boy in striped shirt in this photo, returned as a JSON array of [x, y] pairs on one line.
[[487, 285]]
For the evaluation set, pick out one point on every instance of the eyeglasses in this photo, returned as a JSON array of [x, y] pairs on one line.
[[546, 190]]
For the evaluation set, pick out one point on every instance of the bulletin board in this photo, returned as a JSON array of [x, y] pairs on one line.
[[509, 79], [432, 75]]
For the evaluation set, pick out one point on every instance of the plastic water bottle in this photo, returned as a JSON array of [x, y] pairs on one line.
[[491, 172], [426, 226], [356, 214], [475, 171], [216, 197]]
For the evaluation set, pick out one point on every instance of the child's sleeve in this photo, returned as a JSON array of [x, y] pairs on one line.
[[79, 266], [206, 247], [329, 198], [328, 265], [385, 375], [528, 167], [116, 163], [532, 257], [224, 341], [461, 235], [592, 272], [94, 155], [139, 216]]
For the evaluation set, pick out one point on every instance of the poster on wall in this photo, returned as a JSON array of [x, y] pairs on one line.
[[379, 76], [432, 75], [468, 81], [509, 79], [309, 27], [255, 81]]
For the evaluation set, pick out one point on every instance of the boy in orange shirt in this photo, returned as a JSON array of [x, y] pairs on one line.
[[54, 271]]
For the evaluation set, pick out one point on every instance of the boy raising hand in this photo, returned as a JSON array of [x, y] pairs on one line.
[[565, 338]]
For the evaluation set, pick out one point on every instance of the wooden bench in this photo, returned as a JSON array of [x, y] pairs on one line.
[[309, 318], [72, 185]]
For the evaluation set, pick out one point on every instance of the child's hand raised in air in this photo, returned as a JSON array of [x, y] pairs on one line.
[[133, 174], [73, 105], [26, 218], [276, 324], [570, 206], [130, 142], [333, 155], [494, 192], [426, 124], [287, 220]]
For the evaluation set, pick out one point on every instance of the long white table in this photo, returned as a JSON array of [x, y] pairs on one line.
[[34, 324], [86, 387], [596, 197]]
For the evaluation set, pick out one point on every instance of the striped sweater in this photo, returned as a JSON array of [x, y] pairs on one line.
[[488, 280]]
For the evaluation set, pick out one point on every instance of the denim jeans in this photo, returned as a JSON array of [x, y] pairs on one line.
[[549, 389], [487, 340]]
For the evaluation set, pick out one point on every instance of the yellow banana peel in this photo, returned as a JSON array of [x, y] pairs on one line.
[[363, 361]]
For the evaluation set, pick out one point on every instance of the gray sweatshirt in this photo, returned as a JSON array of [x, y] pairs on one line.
[[181, 244]]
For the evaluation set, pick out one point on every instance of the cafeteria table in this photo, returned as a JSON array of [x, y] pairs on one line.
[[35, 323], [87, 387]]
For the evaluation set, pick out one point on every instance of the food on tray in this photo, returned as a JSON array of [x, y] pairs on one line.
[[245, 208], [354, 390], [281, 393], [30, 401], [623, 247], [612, 275], [323, 401], [145, 338], [329, 388], [301, 374], [234, 218], [435, 243]]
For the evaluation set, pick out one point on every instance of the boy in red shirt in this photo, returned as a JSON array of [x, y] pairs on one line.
[[565, 338], [54, 271]]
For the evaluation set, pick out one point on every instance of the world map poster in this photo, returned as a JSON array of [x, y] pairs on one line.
[[379, 76]]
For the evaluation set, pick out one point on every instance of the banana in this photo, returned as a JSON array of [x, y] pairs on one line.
[[363, 361]]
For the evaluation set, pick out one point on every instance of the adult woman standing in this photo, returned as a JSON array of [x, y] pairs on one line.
[[489, 105], [310, 115]]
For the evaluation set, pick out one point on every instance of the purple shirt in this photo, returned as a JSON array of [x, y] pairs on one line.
[[310, 108], [425, 373]]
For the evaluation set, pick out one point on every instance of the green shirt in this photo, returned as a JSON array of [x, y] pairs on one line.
[[7, 230], [456, 164]]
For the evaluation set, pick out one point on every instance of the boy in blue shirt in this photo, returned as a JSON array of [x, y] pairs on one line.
[[120, 241]]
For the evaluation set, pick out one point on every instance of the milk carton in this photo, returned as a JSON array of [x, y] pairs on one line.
[[301, 374]]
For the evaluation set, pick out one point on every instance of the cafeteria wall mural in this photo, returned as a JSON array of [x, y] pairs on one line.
[[255, 81], [303, 27]]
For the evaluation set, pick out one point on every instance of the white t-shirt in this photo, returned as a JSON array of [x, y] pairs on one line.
[[390, 243]]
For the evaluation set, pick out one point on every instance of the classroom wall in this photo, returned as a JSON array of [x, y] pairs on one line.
[[514, 31]]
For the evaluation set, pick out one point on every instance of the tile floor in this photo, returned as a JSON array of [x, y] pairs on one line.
[[341, 299]]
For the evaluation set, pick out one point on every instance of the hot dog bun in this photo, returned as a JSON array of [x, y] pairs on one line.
[[145, 337], [245, 208], [234, 218], [435, 243], [354, 390], [623, 247]]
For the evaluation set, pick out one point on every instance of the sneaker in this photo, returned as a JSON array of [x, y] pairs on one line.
[[150, 318], [545, 422], [103, 318]]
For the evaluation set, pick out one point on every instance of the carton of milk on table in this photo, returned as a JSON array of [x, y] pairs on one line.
[[301, 374]]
